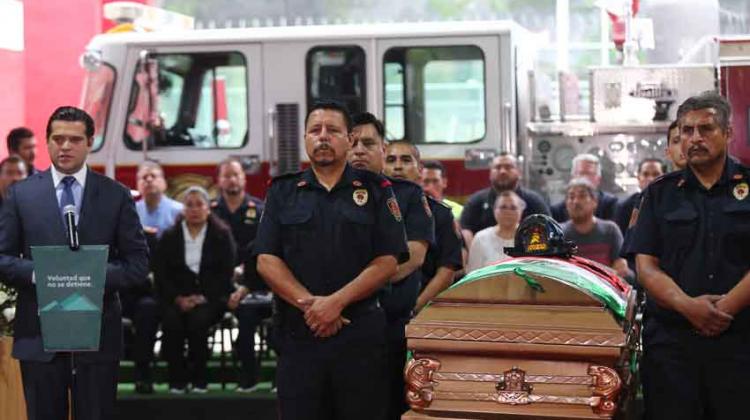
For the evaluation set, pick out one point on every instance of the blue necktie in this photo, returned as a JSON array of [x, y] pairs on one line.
[[67, 197]]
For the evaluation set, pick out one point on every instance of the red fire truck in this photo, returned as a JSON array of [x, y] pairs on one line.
[[190, 98]]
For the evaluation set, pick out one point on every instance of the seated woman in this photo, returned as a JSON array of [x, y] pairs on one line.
[[193, 269], [487, 246]]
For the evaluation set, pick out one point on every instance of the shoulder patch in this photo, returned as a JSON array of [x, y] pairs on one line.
[[394, 208], [426, 206]]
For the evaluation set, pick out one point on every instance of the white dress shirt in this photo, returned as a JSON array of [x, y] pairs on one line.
[[193, 247]]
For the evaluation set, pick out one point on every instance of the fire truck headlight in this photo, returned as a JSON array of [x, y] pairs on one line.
[[91, 60]]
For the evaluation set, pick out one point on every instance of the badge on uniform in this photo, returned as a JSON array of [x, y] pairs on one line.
[[741, 190], [394, 209], [426, 206], [251, 213], [360, 196]]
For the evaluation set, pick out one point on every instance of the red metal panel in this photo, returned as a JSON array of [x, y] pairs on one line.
[[735, 85], [13, 101]]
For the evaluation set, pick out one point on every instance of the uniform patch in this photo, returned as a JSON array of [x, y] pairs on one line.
[[633, 218], [251, 213], [360, 197], [426, 206], [393, 208], [740, 190]]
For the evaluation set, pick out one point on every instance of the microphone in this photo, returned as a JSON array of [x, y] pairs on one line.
[[69, 214]]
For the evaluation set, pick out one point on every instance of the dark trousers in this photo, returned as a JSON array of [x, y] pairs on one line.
[[46, 385], [192, 326], [144, 311], [249, 317], [396, 361], [341, 377], [689, 377]]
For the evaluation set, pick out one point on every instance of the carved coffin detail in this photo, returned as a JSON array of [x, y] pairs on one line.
[[607, 386], [419, 383], [532, 379], [578, 338]]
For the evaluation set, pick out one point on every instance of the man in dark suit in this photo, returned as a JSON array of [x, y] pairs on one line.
[[32, 217]]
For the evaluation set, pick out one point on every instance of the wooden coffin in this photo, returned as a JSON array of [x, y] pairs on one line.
[[538, 337]]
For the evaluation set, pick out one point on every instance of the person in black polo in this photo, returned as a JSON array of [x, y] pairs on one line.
[[400, 297], [692, 246], [504, 175], [330, 238], [242, 212]]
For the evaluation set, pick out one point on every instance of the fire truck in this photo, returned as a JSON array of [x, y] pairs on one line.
[[190, 98]]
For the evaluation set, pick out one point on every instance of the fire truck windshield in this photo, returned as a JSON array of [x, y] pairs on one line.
[[96, 98], [188, 99]]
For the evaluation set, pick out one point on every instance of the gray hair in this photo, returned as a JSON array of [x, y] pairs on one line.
[[586, 157], [196, 189], [706, 100], [582, 183], [512, 194]]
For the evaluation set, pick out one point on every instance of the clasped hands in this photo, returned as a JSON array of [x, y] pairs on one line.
[[323, 315], [708, 314], [187, 303]]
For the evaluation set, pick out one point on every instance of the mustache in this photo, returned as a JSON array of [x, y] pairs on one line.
[[696, 149], [322, 146]]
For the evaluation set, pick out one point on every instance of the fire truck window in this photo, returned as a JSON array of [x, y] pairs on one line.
[[337, 72], [197, 100], [394, 100], [435, 94], [97, 97]]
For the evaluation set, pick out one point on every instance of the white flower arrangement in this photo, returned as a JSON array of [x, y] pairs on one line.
[[7, 310]]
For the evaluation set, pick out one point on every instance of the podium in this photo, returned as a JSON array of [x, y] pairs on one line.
[[70, 290]]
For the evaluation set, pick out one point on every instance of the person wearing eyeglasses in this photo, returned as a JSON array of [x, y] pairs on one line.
[[488, 244]]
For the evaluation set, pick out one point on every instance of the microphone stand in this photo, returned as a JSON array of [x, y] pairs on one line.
[[72, 234]]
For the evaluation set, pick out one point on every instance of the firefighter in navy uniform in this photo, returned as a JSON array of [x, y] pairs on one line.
[[330, 238], [400, 296], [242, 213], [444, 257], [692, 240]]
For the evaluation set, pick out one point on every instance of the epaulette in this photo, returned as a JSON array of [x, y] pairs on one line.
[[288, 175], [668, 176], [440, 202], [403, 182], [372, 177]]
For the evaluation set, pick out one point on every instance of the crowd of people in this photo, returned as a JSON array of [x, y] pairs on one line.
[[354, 246], [202, 267]]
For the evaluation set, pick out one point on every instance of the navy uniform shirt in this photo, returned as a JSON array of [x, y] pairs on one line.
[[243, 223], [446, 251], [478, 213], [399, 299], [701, 237], [327, 238]]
